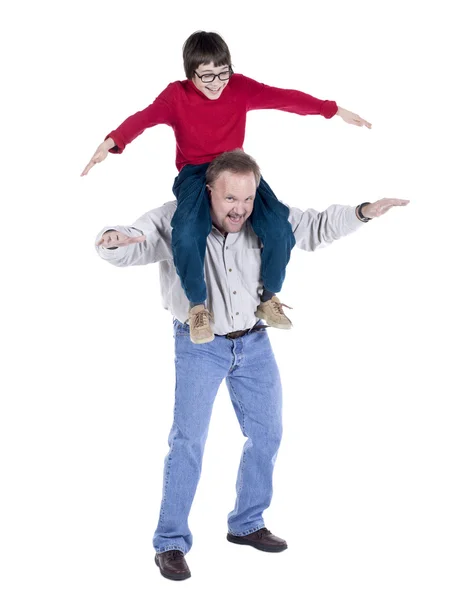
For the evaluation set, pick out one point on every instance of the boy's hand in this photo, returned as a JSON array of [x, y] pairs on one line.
[[352, 118], [114, 239], [100, 154]]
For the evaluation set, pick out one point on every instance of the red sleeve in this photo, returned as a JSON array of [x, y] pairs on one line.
[[259, 96], [157, 113]]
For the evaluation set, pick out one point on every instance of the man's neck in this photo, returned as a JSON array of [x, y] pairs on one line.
[[223, 233]]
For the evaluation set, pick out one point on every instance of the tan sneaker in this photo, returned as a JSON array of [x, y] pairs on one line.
[[271, 312], [199, 322]]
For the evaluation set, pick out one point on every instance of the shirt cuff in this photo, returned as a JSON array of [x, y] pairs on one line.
[[329, 108], [119, 143]]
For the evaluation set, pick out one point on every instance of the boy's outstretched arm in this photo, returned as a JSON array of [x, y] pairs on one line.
[[352, 118], [99, 155], [262, 96], [157, 113]]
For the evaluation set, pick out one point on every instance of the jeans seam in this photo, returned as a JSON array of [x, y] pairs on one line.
[[241, 407], [164, 494], [245, 434]]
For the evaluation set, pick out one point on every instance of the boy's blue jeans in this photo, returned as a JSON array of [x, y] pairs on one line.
[[253, 381], [192, 224]]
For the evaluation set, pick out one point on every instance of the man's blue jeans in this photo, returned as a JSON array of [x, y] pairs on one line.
[[253, 381]]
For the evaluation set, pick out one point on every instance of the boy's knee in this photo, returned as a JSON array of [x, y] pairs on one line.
[[279, 230], [189, 233]]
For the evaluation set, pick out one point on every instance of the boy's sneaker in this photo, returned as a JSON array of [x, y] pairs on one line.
[[271, 312], [199, 323]]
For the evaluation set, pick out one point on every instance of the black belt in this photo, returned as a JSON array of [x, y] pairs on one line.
[[237, 334]]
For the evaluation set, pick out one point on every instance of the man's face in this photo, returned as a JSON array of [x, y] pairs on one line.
[[232, 200], [213, 89]]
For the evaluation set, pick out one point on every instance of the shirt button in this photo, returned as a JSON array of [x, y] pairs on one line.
[[230, 270], [227, 247], [237, 313], [234, 292]]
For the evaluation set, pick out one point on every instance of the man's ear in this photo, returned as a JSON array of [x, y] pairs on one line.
[[209, 189]]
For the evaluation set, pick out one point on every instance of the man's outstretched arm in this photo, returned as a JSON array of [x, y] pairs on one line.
[[313, 229], [148, 240]]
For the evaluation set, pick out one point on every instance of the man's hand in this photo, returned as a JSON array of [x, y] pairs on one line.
[[114, 239], [352, 118], [379, 208], [100, 154]]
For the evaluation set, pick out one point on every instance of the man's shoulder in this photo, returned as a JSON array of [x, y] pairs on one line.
[[160, 216], [167, 210]]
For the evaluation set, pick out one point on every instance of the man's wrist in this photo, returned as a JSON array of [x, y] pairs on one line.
[[359, 212]]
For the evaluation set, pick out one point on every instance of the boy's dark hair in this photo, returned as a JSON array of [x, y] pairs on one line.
[[204, 47], [235, 161]]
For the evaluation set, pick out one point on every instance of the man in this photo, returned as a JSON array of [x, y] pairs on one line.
[[240, 352]]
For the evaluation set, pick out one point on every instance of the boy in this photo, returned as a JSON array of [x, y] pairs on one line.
[[208, 114]]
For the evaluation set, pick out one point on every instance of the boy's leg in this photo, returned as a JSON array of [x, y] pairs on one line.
[[199, 373], [191, 225], [255, 389], [270, 223]]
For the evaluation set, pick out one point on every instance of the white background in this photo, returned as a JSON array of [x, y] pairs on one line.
[[361, 489]]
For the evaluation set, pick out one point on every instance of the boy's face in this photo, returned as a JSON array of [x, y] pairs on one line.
[[214, 89], [232, 200]]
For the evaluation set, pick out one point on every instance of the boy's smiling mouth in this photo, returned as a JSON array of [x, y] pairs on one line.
[[214, 91]]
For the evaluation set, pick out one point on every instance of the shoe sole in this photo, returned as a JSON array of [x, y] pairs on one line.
[[271, 323], [174, 577], [236, 540], [209, 339]]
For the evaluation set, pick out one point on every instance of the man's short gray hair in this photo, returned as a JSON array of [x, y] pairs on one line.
[[235, 161]]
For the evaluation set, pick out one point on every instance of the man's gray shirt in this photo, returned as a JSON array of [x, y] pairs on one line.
[[232, 263]]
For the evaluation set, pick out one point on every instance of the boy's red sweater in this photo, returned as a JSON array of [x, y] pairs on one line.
[[205, 128]]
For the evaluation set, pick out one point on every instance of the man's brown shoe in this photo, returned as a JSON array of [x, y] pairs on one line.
[[199, 322], [271, 312], [172, 565], [262, 539]]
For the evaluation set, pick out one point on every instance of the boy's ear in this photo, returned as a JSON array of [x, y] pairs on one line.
[[208, 188]]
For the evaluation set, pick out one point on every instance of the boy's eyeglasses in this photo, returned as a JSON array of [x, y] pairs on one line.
[[210, 77]]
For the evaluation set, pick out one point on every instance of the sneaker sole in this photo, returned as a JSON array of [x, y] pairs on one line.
[[271, 323], [205, 341], [174, 577], [237, 540]]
